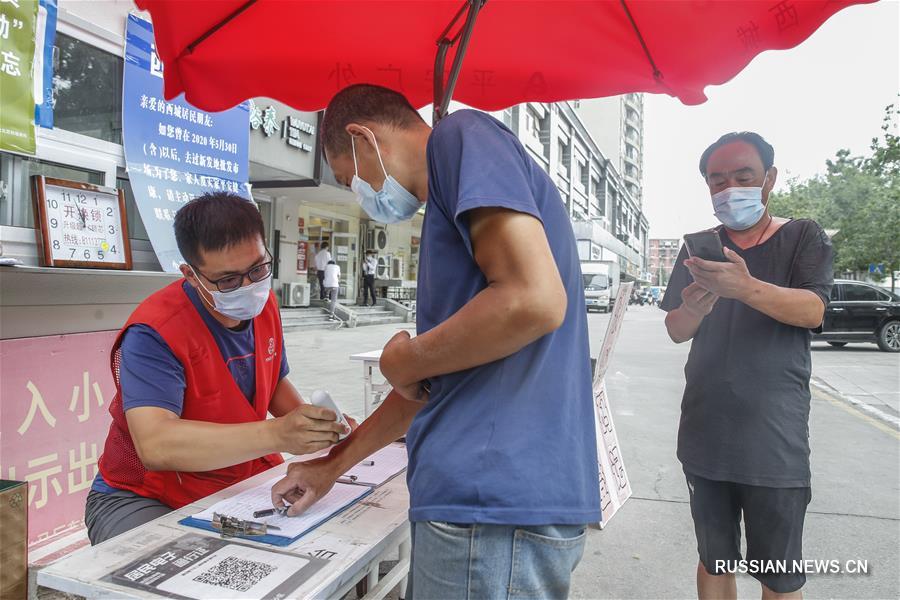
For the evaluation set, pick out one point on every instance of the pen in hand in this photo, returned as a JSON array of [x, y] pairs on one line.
[[282, 510], [270, 512]]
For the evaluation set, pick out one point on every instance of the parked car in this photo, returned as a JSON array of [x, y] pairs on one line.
[[860, 312]]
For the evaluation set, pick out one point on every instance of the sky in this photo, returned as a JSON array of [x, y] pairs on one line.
[[826, 94]]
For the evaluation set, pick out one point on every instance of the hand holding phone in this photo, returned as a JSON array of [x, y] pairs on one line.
[[706, 245], [323, 399]]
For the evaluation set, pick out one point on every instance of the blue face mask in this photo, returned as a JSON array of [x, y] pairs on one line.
[[739, 208], [392, 203]]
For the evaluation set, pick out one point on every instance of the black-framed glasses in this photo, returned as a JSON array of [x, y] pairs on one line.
[[230, 283]]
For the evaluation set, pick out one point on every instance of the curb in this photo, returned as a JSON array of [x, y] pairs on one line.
[[869, 410]]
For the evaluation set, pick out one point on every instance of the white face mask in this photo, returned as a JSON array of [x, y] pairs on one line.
[[242, 304]]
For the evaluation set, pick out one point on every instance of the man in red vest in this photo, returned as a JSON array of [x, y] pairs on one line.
[[198, 367]]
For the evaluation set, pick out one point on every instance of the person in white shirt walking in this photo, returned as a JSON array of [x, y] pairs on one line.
[[332, 277], [370, 267], [323, 257]]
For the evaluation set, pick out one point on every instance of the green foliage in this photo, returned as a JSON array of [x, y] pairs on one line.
[[857, 196]]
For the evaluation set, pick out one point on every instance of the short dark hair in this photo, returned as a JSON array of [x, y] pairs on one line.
[[215, 221], [763, 148], [361, 103], [324, 245]]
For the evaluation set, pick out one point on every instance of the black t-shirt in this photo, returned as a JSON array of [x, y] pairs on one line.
[[745, 411]]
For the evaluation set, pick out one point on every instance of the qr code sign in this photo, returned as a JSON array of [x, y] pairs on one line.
[[235, 574]]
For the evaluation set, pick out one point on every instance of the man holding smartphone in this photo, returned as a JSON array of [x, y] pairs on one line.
[[743, 439]]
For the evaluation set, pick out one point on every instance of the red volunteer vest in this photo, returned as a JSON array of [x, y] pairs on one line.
[[211, 395]]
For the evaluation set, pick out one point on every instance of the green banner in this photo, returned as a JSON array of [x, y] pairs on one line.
[[17, 24]]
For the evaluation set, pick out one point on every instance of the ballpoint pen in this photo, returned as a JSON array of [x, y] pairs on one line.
[[281, 510]]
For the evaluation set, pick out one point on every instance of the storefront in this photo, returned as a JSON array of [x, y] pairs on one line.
[[310, 216], [303, 207], [57, 324]]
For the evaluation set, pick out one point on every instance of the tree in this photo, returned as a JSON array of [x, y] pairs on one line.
[[860, 198]]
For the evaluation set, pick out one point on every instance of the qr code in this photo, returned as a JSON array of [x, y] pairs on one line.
[[235, 574]]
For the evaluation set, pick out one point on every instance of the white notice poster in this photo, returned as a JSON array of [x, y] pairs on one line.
[[614, 486]]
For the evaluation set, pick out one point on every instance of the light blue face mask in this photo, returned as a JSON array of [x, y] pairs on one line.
[[739, 208], [392, 203], [244, 303]]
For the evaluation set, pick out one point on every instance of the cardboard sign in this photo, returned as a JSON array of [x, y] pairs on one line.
[[13, 539], [612, 330], [615, 488]]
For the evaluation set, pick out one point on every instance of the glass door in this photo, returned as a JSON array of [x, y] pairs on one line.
[[345, 251]]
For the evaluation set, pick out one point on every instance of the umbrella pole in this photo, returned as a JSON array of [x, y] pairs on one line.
[[444, 93]]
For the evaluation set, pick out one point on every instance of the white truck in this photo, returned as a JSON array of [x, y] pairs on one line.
[[601, 282]]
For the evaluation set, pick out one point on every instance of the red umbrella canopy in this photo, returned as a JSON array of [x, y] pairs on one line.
[[219, 53]]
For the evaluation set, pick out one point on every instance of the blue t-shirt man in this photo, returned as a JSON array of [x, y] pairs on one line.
[[151, 375], [511, 442]]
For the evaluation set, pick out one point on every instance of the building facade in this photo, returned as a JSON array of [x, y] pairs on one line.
[[663, 253], [606, 215], [617, 124], [301, 203], [303, 206]]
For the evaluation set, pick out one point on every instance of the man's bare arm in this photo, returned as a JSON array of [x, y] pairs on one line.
[[285, 399], [309, 481], [791, 306], [166, 442], [524, 300], [683, 322]]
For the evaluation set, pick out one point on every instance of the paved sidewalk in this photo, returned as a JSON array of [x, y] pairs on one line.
[[862, 375], [321, 360], [649, 550]]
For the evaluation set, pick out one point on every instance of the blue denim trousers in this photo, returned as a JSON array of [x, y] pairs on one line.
[[475, 562]]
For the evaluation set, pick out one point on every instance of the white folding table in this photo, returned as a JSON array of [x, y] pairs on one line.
[[373, 392], [354, 542]]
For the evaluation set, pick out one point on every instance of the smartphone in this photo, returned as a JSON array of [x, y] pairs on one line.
[[705, 245], [323, 399]]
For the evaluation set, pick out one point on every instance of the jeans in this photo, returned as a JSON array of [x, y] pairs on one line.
[[478, 561], [331, 293]]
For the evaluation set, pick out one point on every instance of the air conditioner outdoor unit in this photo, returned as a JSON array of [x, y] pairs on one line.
[[377, 238], [295, 294]]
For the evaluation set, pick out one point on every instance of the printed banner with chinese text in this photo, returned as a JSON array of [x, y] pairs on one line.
[[54, 419], [173, 151], [17, 26]]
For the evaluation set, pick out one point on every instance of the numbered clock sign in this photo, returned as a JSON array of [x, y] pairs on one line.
[[80, 225]]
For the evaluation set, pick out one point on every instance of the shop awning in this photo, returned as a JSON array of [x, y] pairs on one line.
[[219, 53]]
